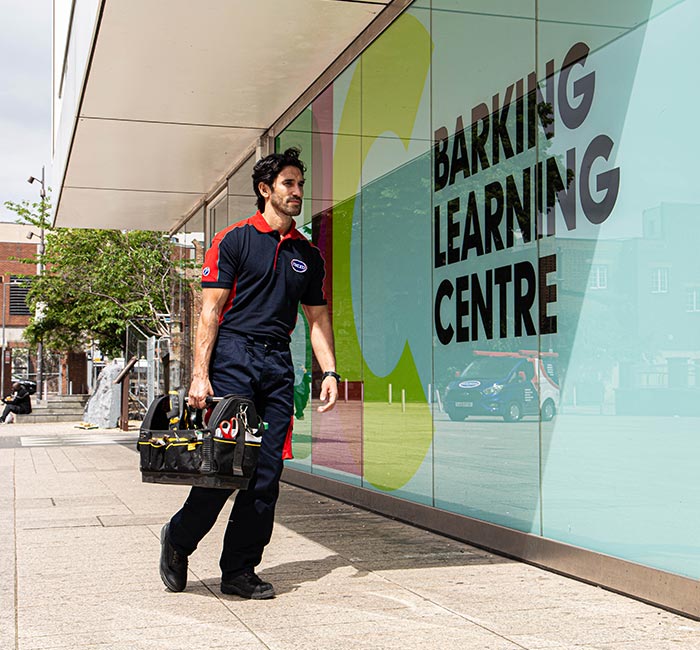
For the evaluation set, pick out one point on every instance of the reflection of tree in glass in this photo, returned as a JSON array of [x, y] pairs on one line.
[[520, 187]]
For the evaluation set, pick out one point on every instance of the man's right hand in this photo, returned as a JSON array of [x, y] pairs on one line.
[[200, 389]]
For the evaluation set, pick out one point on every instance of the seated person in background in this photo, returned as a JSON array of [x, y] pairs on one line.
[[18, 402]]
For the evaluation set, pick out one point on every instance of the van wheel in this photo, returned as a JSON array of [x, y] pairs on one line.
[[456, 416], [513, 413], [548, 410]]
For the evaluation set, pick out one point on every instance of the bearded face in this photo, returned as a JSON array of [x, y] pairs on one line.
[[287, 192]]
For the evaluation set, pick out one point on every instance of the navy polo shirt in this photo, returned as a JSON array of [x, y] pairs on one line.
[[268, 274]]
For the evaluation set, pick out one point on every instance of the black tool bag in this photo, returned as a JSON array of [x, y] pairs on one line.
[[176, 447]]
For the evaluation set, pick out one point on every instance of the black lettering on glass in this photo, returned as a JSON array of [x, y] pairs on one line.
[[441, 161], [453, 228], [444, 334], [522, 209], [472, 229], [499, 128], [523, 300], [482, 306], [574, 116], [440, 257], [609, 181], [480, 113], [493, 215], [460, 159], [502, 276], [462, 308]]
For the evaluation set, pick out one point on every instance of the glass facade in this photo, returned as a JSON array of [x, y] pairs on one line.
[[504, 194]]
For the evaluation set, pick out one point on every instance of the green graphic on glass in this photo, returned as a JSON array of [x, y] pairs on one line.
[[391, 80]]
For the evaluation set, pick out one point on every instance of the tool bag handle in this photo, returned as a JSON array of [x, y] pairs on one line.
[[209, 399]]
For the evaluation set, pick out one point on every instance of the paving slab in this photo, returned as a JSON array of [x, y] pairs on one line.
[[79, 570]]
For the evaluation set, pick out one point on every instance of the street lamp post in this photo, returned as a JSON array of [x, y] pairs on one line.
[[39, 271]]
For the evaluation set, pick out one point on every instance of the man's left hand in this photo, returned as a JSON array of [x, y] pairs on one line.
[[329, 394]]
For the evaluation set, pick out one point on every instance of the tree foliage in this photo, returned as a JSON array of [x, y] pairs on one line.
[[95, 281]]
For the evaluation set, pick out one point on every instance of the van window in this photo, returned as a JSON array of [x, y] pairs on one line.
[[493, 367]]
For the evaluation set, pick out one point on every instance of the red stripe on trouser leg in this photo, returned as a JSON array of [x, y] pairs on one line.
[[287, 449]]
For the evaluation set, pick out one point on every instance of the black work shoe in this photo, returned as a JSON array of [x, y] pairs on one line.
[[173, 565], [248, 585]]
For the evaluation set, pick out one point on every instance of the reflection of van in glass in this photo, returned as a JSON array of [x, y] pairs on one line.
[[506, 384]]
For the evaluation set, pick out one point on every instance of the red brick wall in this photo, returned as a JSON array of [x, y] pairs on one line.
[[9, 267], [77, 373]]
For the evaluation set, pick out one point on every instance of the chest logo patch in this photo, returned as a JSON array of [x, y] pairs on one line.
[[206, 271], [299, 266]]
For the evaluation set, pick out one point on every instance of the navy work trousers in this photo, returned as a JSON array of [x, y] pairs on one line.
[[262, 372]]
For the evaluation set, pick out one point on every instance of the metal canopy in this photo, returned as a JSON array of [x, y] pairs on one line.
[[176, 92]]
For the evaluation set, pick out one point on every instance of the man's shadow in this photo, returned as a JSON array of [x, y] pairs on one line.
[[356, 539]]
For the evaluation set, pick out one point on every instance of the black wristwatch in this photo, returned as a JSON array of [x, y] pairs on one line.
[[330, 373]]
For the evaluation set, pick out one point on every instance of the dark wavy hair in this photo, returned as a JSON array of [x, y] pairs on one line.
[[269, 167]]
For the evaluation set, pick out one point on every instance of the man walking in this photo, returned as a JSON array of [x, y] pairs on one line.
[[255, 275]]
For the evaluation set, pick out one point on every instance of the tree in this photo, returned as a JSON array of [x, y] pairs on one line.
[[95, 281]]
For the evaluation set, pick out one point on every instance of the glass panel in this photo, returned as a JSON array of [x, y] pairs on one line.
[[390, 256], [240, 183], [338, 450], [329, 209], [619, 471], [486, 361], [218, 215], [241, 207], [298, 135], [241, 197]]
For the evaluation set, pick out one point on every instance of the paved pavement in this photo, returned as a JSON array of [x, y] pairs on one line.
[[78, 570]]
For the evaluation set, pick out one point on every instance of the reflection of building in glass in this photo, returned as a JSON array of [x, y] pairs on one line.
[[664, 380], [645, 358]]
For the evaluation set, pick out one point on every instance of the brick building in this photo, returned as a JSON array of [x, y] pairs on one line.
[[62, 373], [14, 245]]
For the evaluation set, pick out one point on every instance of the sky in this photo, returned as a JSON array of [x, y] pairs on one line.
[[25, 99]]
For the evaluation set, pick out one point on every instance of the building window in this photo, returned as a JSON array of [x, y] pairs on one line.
[[659, 280], [598, 278], [19, 288], [692, 302], [218, 215]]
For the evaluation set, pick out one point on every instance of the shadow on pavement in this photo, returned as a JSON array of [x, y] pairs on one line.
[[359, 539]]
